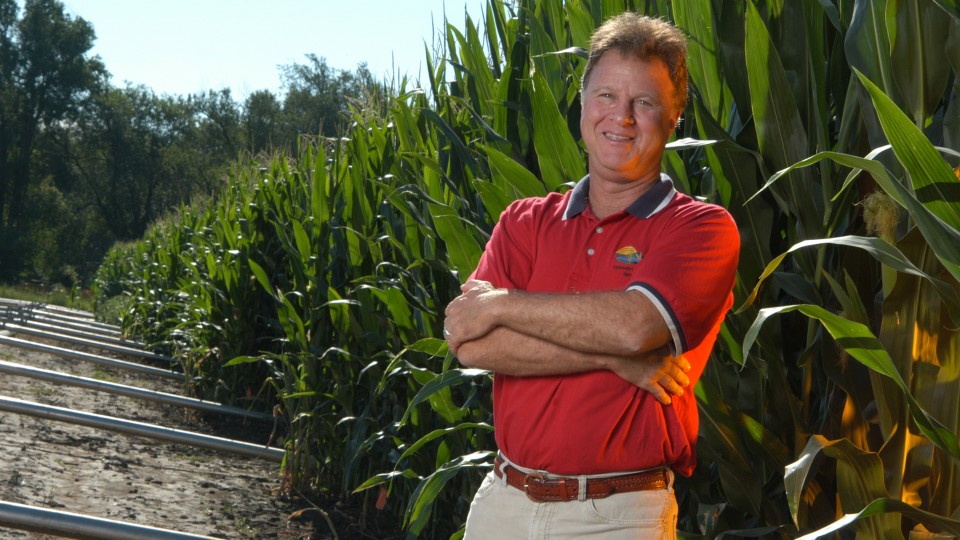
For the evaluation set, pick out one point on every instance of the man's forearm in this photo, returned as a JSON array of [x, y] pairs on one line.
[[615, 323], [512, 353]]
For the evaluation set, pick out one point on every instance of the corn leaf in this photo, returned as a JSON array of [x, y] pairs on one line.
[[780, 132], [879, 249], [917, 31], [882, 506], [514, 178], [438, 383], [422, 499], [495, 198], [695, 17], [431, 346], [859, 473], [863, 346], [303, 241], [243, 360], [462, 248], [867, 45], [736, 443], [545, 63], [559, 155], [950, 6], [437, 433], [943, 238], [932, 178], [261, 276]]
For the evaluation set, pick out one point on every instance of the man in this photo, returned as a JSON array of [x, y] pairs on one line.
[[595, 309]]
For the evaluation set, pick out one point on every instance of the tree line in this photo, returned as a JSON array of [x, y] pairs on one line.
[[85, 163]]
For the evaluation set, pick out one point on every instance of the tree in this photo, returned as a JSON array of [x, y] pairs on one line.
[[45, 74], [219, 121], [261, 121], [318, 96], [138, 155]]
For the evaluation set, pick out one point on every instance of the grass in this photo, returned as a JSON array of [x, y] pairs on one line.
[[56, 294], [42, 391], [191, 457], [105, 376]]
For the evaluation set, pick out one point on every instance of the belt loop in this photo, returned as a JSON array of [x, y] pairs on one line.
[[670, 477], [582, 489], [503, 471]]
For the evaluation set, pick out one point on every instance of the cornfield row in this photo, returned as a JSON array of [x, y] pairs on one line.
[[317, 283]]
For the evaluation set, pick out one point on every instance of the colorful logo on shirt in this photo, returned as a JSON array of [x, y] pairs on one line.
[[628, 255]]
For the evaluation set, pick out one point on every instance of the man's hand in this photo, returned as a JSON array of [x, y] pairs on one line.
[[471, 315], [656, 372]]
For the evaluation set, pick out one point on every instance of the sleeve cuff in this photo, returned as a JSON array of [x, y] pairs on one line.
[[679, 344]]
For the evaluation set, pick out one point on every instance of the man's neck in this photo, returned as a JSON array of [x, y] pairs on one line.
[[608, 198]]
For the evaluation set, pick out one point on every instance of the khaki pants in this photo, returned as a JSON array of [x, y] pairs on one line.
[[502, 512]]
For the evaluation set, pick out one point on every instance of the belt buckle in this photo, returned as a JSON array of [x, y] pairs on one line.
[[540, 484]]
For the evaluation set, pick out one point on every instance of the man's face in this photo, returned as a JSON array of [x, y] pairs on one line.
[[628, 116]]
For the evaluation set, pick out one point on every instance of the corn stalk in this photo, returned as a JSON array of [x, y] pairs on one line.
[[317, 283]]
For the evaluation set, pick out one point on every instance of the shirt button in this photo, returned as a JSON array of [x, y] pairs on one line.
[[599, 230], [590, 251]]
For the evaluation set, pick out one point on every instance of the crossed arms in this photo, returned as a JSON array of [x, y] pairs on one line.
[[526, 334]]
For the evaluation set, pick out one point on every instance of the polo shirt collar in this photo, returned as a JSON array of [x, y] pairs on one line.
[[648, 204]]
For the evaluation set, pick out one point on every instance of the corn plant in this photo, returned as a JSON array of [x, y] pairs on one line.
[[316, 283]]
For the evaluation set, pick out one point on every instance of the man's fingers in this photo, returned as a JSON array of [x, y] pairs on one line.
[[473, 284], [661, 395], [671, 385], [673, 377], [674, 370], [453, 345]]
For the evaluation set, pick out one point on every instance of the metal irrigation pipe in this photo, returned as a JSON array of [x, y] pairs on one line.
[[83, 323], [32, 310], [17, 315], [70, 525], [73, 332], [92, 326], [52, 308], [88, 342], [66, 310], [77, 314], [142, 429], [19, 305], [102, 360], [12, 368]]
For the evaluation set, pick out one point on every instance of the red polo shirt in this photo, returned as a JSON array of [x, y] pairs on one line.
[[680, 253]]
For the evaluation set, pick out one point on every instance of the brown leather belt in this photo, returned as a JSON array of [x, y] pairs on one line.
[[542, 488]]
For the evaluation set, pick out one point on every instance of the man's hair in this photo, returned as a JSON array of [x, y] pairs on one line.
[[645, 38]]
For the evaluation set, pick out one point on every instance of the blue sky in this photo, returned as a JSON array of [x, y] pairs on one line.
[[189, 46]]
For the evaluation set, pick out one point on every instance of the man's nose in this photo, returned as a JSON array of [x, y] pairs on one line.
[[625, 113]]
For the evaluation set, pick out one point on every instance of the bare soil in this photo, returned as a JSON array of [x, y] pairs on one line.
[[127, 478]]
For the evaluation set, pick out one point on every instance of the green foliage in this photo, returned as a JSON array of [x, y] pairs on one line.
[[318, 284], [57, 295], [318, 97], [45, 73], [84, 164]]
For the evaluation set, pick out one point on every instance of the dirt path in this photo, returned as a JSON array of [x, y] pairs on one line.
[[127, 478]]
